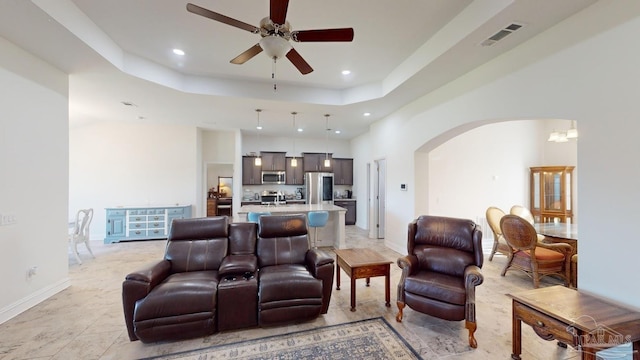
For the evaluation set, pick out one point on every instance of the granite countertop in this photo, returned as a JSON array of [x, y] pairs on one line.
[[147, 206], [289, 208]]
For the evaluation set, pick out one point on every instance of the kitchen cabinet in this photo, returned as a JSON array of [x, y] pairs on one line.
[[350, 205], [342, 171], [295, 175], [142, 223], [314, 162], [273, 161], [251, 174], [551, 193]]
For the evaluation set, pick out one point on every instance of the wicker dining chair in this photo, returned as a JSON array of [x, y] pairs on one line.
[[534, 258], [494, 215]]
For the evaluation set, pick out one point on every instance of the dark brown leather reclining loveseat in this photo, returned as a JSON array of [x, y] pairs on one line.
[[218, 276]]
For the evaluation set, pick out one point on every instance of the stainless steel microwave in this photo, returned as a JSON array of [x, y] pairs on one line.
[[274, 177]]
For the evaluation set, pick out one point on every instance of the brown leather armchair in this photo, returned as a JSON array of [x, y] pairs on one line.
[[442, 269], [295, 281]]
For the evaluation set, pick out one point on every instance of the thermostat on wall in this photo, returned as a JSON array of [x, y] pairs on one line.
[[403, 187]]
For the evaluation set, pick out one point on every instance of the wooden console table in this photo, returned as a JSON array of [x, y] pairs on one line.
[[583, 321], [363, 263]]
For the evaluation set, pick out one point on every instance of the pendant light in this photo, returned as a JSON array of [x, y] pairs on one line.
[[258, 160], [327, 162], [573, 132], [294, 161]]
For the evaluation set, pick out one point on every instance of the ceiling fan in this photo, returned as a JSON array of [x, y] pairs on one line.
[[276, 33]]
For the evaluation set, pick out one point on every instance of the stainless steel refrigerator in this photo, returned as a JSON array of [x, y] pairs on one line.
[[318, 188]]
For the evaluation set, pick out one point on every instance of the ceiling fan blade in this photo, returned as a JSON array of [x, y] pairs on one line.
[[343, 34], [248, 54], [299, 62], [278, 11], [221, 18]]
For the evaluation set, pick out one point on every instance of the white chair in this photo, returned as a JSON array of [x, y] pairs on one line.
[[494, 215], [80, 232]]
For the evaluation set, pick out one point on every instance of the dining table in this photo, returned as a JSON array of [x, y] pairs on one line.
[[559, 232]]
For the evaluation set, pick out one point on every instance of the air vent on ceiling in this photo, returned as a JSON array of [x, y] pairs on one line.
[[500, 34]]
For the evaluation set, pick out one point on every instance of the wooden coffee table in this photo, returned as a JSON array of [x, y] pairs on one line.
[[583, 321], [362, 263]]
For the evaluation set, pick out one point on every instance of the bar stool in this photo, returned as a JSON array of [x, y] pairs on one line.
[[253, 216], [317, 219]]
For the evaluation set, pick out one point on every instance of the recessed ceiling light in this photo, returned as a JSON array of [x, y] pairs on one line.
[[366, 114], [178, 52], [346, 72], [300, 130], [337, 131]]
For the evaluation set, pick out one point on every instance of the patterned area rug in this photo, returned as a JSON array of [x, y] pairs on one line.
[[364, 339]]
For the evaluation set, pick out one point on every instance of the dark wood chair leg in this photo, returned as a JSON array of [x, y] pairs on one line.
[[472, 329], [400, 308]]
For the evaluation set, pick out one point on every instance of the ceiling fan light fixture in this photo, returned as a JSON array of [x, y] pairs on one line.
[[275, 46]]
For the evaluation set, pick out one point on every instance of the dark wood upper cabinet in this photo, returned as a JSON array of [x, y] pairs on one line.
[[314, 162], [251, 174], [342, 171], [295, 175], [273, 161]]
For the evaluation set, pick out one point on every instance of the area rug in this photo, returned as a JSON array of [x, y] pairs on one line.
[[364, 339]]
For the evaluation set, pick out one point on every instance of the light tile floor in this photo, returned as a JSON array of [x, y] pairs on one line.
[[85, 321]]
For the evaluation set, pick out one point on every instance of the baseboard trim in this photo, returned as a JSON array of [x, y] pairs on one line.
[[12, 310]]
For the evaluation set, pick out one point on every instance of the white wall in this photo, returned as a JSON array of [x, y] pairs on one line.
[[33, 179], [569, 72], [486, 166], [126, 164]]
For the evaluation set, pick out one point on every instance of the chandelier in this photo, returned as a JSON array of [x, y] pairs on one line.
[[564, 136]]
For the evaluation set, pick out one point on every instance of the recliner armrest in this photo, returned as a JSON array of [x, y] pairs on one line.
[[320, 264], [152, 274], [137, 285], [238, 264], [316, 258], [472, 277], [408, 264]]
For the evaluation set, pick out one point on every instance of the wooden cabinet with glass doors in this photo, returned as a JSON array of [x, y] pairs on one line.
[[552, 193]]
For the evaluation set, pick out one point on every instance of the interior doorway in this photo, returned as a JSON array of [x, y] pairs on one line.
[[380, 198], [214, 171]]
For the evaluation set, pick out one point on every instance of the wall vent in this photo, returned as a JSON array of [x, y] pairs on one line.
[[501, 34]]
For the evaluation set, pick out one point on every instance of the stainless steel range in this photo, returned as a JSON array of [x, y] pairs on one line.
[[271, 197]]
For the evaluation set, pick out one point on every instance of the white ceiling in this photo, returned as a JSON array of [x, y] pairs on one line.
[[121, 51]]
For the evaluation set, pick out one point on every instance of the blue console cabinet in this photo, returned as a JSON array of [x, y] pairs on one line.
[[142, 223]]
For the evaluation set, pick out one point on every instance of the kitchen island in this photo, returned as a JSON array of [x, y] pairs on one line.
[[332, 234]]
